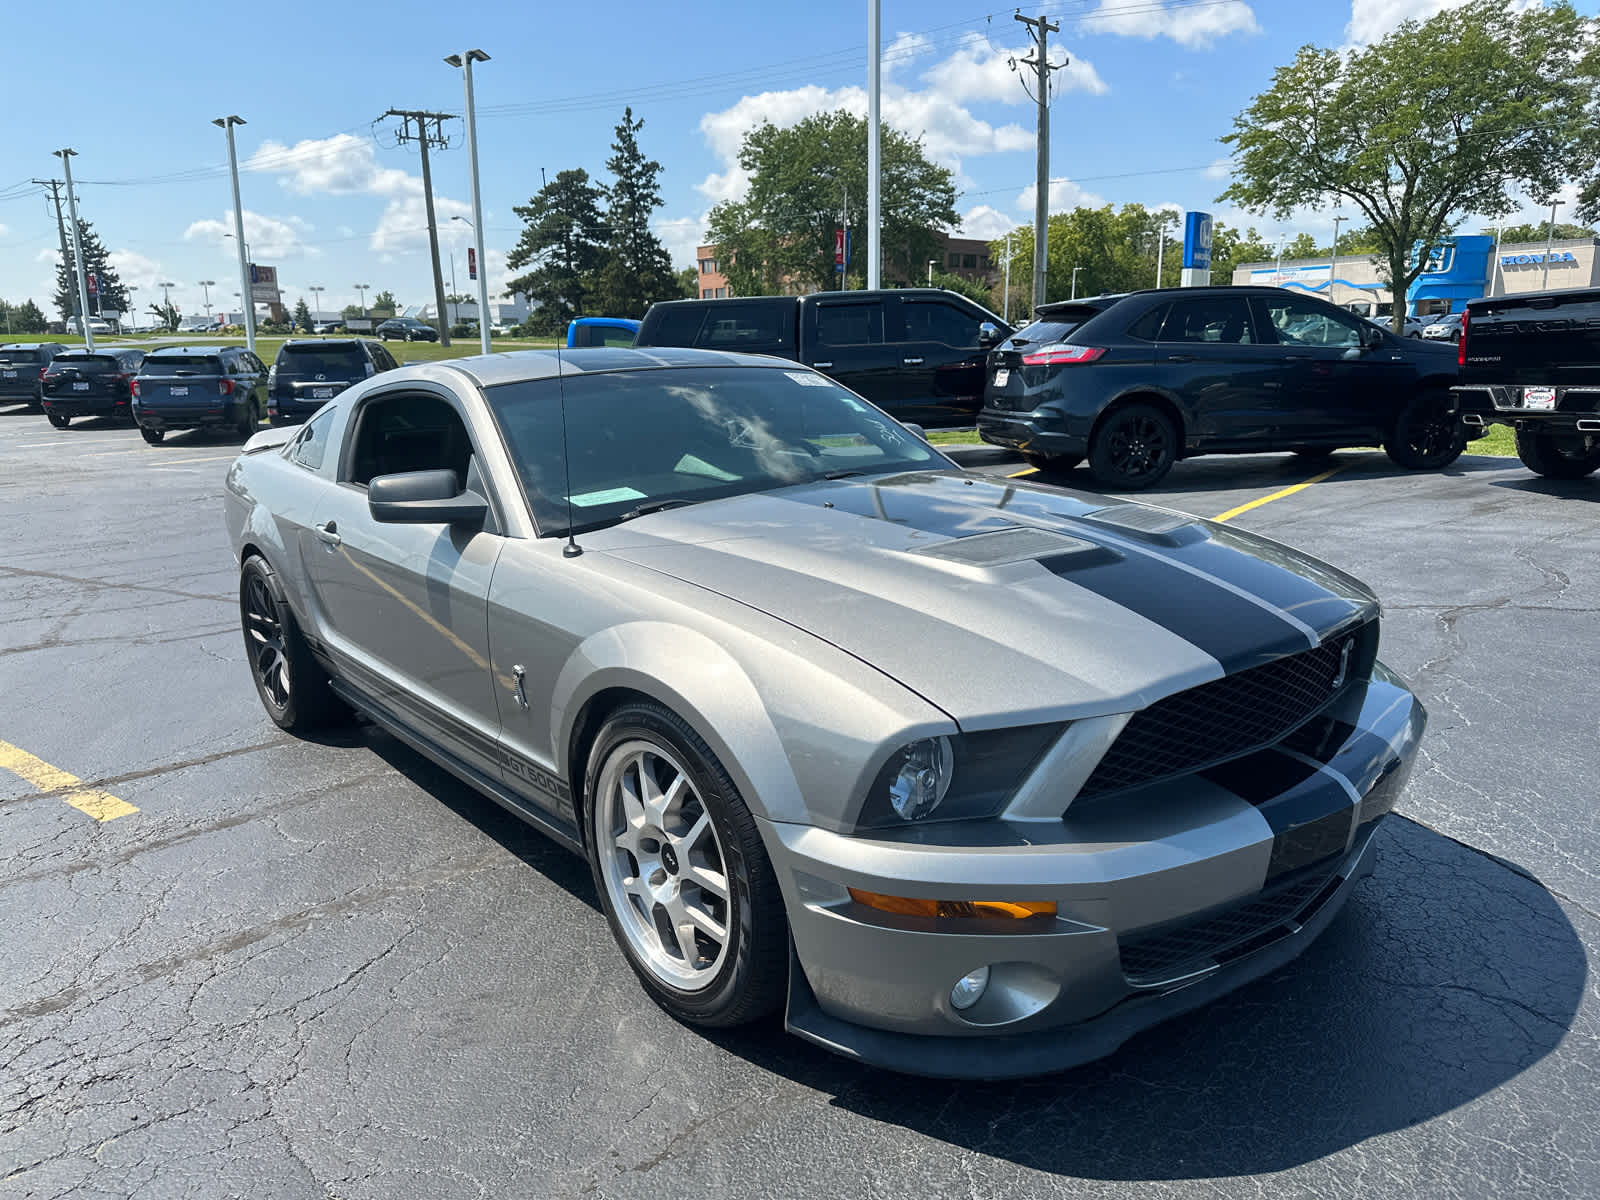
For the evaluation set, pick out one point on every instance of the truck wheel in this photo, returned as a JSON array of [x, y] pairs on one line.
[[1558, 457], [1428, 434]]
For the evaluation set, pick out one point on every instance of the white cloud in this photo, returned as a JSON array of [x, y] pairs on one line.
[[1195, 26], [270, 238], [47, 255], [342, 165], [979, 71], [1064, 194], [1220, 168], [985, 222], [682, 236], [404, 224], [135, 268], [1371, 20]]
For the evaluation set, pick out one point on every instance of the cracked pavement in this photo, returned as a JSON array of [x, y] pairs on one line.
[[310, 970]]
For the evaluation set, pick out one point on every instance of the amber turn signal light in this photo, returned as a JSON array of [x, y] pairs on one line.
[[1001, 910]]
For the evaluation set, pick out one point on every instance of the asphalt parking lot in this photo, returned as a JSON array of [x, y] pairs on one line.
[[237, 964]]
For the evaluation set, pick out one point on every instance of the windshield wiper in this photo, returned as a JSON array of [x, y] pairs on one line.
[[654, 506], [842, 474]]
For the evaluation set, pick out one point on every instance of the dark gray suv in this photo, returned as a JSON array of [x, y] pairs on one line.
[[307, 374], [22, 368], [199, 387]]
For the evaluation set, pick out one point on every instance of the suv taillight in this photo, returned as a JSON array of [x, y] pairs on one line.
[[42, 371], [226, 387], [1062, 355], [1461, 345], [133, 386]]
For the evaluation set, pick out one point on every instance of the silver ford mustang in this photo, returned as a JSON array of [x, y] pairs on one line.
[[976, 777]]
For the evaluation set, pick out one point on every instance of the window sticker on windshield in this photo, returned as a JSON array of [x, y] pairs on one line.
[[614, 495], [807, 379], [690, 465]]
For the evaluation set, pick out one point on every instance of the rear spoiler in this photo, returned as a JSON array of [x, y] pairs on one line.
[[269, 439]]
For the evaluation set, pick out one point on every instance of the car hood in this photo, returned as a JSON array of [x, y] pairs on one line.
[[999, 600]]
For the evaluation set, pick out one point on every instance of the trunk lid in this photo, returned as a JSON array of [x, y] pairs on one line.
[[1546, 340], [190, 382]]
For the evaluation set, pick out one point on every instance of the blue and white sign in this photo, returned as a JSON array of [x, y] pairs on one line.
[[1525, 260], [1197, 241]]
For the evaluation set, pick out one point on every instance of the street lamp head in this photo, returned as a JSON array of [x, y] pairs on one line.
[[224, 122], [65, 153]]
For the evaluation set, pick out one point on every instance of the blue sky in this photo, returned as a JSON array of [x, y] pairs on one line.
[[330, 200]]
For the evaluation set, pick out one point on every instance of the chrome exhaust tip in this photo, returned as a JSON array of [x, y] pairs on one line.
[[1471, 419], [1589, 426]]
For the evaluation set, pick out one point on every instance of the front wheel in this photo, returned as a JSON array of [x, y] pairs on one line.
[[1133, 447], [681, 870], [292, 685], [59, 420], [1428, 434], [153, 436], [1557, 456]]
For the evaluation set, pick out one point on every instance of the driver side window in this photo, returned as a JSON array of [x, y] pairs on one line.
[[1301, 323], [408, 431]]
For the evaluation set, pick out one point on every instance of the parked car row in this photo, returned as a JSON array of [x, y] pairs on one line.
[[172, 388]]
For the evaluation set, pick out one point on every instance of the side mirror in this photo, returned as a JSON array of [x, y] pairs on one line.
[[1371, 337], [988, 335], [424, 498], [915, 428]]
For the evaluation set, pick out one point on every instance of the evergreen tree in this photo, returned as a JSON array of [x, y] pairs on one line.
[[302, 314], [638, 270], [27, 318], [113, 297], [563, 239]]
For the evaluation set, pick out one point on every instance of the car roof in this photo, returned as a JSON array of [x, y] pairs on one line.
[[176, 350], [320, 342], [71, 350], [608, 322], [519, 366], [28, 345]]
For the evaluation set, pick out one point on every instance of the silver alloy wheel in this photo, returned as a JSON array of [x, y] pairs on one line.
[[662, 864]]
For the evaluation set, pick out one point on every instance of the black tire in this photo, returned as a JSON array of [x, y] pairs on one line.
[[248, 424], [1554, 456], [749, 980], [291, 683], [1133, 447], [1052, 462], [1428, 434], [59, 420], [153, 436]]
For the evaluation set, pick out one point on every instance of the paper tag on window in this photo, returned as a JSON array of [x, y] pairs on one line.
[[807, 379], [614, 495]]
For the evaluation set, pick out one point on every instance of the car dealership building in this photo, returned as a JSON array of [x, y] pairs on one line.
[[1459, 270]]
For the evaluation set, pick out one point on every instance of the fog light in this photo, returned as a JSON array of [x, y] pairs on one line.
[[969, 989]]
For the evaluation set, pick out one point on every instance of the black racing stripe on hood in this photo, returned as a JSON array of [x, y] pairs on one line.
[[1234, 630]]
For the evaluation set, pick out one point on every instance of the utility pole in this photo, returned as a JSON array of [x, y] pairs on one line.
[[66, 156], [226, 124], [1040, 30], [465, 60], [426, 137], [1549, 239], [66, 258], [1333, 264], [874, 157]]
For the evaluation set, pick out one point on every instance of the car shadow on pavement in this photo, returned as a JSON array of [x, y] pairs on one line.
[[1448, 974], [1587, 488]]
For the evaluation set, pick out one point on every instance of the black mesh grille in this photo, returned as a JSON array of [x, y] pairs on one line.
[[1222, 719], [1171, 953]]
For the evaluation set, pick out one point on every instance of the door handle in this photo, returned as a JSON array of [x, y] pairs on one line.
[[328, 534], [1180, 358], [820, 366], [912, 362]]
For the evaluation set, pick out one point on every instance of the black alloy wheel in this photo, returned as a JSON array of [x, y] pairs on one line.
[[1429, 434], [59, 420], [1134, 446], [292, 685], [153, 436], [1557, 456]]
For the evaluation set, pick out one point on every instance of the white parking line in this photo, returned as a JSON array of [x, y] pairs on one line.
[[183, 462]]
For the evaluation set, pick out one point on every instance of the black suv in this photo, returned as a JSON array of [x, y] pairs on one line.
[[1137, 381], [84, 383], [22, 368], [407, 329], [199, 387], [307, 374]]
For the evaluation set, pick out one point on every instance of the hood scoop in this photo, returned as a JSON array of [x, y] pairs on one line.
[[1017, 544], [1149, 524]]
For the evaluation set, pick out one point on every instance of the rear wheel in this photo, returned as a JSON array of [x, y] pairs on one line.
[[1556, 456], [59, 420], [293, 687], [1052, 462], [153, 436], [248, 423], [681, 870], [1428, 434], [1133, 447]]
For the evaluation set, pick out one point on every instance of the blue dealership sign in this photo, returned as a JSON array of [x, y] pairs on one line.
[[1197, 241]]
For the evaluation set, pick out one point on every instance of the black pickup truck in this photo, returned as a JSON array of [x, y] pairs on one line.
[[917, 353], [1533, 362]]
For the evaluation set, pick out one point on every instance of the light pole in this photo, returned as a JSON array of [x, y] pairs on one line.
[[205, 290], [1075, 271], [226, 124], [1549, 240], [1333, 262], [931, 261], [66, 156], [1161, 244], [874, 158], [316, 290], [1278, 274], [362, 288], [465, 61], [1007, 313]]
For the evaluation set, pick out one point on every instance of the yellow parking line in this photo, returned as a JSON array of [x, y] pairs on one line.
[[1020, 474], [102, 806], [1278, 495]]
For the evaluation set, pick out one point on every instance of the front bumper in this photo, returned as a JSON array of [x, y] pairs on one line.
[[1167, 896], [1042, 432]]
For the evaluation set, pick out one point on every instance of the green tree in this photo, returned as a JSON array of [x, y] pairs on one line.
[[804, 180], [638, 269], [1440, 118], [351, 312], [1511, 235], [1112, 250], [25, 318], [383, 304], [302, 315], [689, 284], [1231, 248], [167, 314], [969, 288], [113, 297], [563, 239]]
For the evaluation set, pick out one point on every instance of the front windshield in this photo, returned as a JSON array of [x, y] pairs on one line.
[[637, 441]]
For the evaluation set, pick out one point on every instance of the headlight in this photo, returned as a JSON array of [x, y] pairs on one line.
[[923, 778], [965, 776]]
